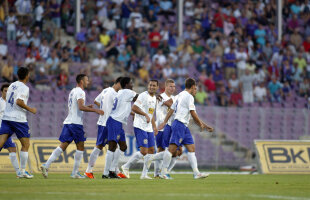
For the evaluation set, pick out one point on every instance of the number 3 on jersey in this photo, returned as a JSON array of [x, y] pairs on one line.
[[115, 103], [11, 99]]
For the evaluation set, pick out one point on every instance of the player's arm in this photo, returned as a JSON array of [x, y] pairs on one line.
[[154, 126], [22, 104], [84, 108], [137, 110], [97, 103], [135, 98], [199, 122], [162, 125], [168, 103]]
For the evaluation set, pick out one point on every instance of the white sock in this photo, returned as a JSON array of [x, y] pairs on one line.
[[158, 157], [134, 159], [14, 161], [108, 162], [77, 161], [193, 161], [92, 159], [166, 162], [117, 154], [172, 163], [23, 160], [56, 153], [145, 169]]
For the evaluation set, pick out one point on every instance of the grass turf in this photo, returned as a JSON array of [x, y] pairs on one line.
[[61, 186]]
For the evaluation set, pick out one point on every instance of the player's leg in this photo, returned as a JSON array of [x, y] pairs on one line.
[[174, 159], [150, 153], [3, 139], [160, 148], [12, 154], [142, 143], [100, 143], [108, 160], [65, 138], [118, 154], [190, 146], [79, 139], [22, 133]]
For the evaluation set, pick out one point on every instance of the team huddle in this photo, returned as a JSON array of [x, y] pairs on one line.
[[163, 118]]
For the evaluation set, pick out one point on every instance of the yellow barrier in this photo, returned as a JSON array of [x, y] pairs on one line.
[[284, 157], [40, 150]]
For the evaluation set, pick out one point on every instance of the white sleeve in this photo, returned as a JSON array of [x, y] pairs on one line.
[[80, 95], [130, 95], [191, 103], [139, 101], [98, 98], [174, 105], [22, 94]]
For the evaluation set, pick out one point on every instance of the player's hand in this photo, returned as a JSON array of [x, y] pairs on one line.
[[209, 128], [155, 131], [33, 110], [90, 106], [147, 118], [158, 97], [100, 112], [161, 126]]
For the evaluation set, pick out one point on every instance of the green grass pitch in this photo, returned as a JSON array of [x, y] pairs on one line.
[[183, 186]]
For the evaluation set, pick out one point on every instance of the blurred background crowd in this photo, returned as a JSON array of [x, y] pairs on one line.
[[230, 47]]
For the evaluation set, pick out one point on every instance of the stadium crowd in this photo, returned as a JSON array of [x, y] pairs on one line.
[[231, 47]]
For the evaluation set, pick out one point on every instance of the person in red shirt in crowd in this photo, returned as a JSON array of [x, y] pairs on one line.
[[236, 98], [63, 80], [306, 44], [273, 70], [210, 84], [219, 18], [155, 39]]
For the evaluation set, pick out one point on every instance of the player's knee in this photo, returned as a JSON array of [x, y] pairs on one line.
[[123, 147], [143, 151], [112, 146], [12, 149], [151, 150]]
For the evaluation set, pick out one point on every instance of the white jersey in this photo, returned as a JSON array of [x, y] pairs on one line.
[[162, 110], [12, 112], [75, 115], [122, 105], [182, 107], [147, 104], [2, 107], [106, 99]]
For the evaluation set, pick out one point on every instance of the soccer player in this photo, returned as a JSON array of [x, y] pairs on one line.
[[105, 101], [9, 144], [184, 108], [73, 127], [164, 134], [144, 126], [15, 118], [116, 135]]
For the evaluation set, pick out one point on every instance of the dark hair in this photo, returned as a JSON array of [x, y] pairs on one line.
[[5, 85], [154, 80], [22, 73], [80, 77], [125, 81], [118, 80], [189, 83]]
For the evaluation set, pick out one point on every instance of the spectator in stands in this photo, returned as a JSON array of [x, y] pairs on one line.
[[251, 66], [54, 10], [168, 71], [66, 9], [222, 97], [80, 52], [241, 58], [144, 74], [229, 63], [306, 44], [236, 98], [123, 58], [23, 7], [44, 49], [260, 93], [48, 35], [99, 65], [301, 61], [110, 25], [275, 90], [210, 84], [7, 71], [260, 35], [286, 89], [41, 80], [3, 49], [104, 38], [39, 14], [36, 37], [133, 65], [166, 9], [126, 10], [161, 57], [201, 96], [297, 74], [63, 80], [233, 83], [296, 39], [246, 82], [218, 78], [155, 39], [23, 36], [52, 63], [304, 88], [11, 22]]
